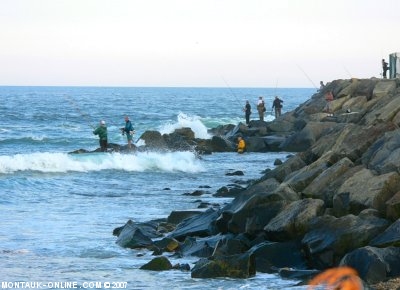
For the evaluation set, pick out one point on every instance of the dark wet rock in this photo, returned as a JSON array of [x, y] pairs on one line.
[[235, 173], [390, 237], [199, 247], [181, 267], [153, 140], [230, 245], [228, 191], [234, 266], [330, 238], [136, 235], [167, 244], [393, 207], [177, 216], [374, 264], [296, 274], [294, 220], [272, 255], [352, 195], [384, 155], [158, 264], [201, 225], [195, 193]]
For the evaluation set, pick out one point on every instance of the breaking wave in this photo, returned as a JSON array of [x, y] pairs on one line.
[[63, 162]]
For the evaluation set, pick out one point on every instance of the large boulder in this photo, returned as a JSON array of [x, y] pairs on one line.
[[154, 140], [304, 139], [201, 225], [158, 264], [272, 255], [234, 266], [136, 235], [390, 237], [365, 190], [320, 186], [384, 155], [393, 207], [330, 238], [374, 264], [293, 221], [199, 247], [301, 178], [384, 88]]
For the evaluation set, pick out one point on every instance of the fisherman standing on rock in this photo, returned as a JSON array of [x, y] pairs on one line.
[[102, 132], [128, 129]]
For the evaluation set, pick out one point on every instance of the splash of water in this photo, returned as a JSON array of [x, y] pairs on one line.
[[185, 121]]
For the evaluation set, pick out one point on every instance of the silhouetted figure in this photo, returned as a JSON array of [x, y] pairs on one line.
[[277, 104], [247, 112], [385, 68]]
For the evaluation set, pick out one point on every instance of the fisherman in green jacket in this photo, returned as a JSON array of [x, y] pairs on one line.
[[102, 132]]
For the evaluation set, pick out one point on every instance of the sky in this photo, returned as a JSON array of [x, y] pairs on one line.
[[194, 43]]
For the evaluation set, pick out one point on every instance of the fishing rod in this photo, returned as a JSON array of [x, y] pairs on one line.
[[76, 107], [232, 92], [307, 76], [347, 72]]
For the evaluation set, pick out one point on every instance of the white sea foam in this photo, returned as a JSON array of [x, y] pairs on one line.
[[62, 162], [193, 122]]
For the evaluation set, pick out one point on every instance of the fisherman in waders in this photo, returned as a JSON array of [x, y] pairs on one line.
[[261, 108], [277, 104], [102, 132], [128, 129], [247, 112], [241, 145]]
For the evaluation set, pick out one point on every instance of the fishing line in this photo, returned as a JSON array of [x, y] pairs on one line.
[[347, 72], [232, 92], [76, 107], [307, 76]]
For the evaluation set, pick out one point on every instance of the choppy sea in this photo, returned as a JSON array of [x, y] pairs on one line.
[[58, 211]]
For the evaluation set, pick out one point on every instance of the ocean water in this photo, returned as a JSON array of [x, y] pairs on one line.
[[58, 211]]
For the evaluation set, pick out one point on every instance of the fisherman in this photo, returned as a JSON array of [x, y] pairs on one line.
[[328, 107], [261, 108], [129, 131], [247, 112], [277, 104], [241, 145], [102, 132], [321, 86], [385, 68]]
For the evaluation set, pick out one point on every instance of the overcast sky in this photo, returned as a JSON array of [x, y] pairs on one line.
[[251, 43]]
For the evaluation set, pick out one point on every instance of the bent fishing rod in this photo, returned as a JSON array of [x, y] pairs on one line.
[[231, 91], [307, 76], [76, 107]]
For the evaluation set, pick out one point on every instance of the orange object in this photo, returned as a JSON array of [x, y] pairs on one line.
[[341, 278]]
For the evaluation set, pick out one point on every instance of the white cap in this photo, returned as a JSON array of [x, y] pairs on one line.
[[102, 122]]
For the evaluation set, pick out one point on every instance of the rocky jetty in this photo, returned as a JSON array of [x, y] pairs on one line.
[[336, 202]]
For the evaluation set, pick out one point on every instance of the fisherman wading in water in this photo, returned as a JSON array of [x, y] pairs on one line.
[[241, 147], [129, 131]]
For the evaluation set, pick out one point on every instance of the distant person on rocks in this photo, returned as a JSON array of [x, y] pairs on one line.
[[102, 132], [129, 131], [385, 68], [241, 145], [261, 108], [277, 104], [247, 112], [328, 107], [321, 86]]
